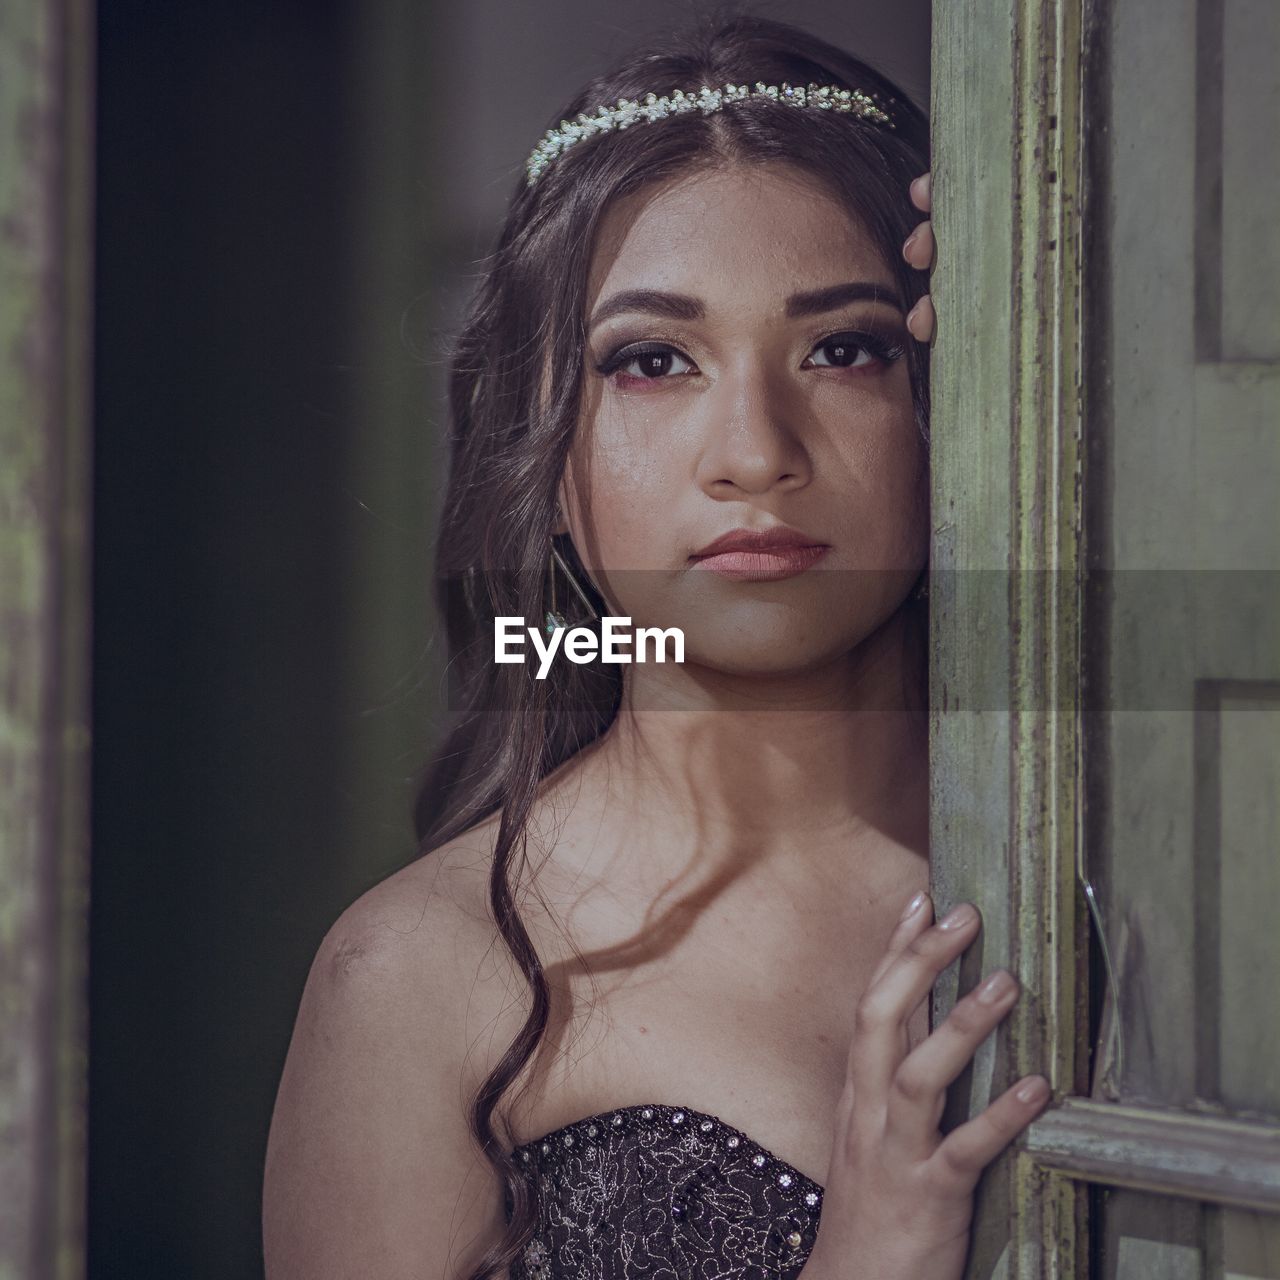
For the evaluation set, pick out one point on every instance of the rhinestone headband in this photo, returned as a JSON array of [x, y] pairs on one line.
[[628, 111]]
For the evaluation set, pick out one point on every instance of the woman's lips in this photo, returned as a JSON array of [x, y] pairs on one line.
[[762, 564]]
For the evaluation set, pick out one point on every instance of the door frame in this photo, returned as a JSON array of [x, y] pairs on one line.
[[47, 63]]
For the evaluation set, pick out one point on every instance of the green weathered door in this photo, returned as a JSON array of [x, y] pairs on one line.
[[1107, 619]]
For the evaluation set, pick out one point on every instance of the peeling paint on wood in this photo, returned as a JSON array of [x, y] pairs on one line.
[[1205, 1157], [1005, 617]]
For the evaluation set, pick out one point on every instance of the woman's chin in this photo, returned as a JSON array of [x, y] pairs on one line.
[[762, 669], [788, 636], [764, 651]]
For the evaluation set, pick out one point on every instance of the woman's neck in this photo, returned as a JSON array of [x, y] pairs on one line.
[[793, 761]]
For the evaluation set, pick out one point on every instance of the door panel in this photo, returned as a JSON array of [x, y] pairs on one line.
[[1247, 33], [1183, 636], [1150, 1237], [1237, 799]]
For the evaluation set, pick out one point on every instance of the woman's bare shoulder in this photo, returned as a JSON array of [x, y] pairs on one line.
[[420, 953], [370, 1158], [433, 910]]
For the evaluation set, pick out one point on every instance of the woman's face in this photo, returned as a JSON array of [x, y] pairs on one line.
[[740, 374]]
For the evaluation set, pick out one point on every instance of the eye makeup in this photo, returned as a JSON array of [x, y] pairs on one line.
[[884, 347]]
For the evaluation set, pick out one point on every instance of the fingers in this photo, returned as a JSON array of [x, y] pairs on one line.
[[922, 192], [920, 250], [919, 247], [916, 916], [880, 1021], [919, 1085], [970, 1147], [921, 320]]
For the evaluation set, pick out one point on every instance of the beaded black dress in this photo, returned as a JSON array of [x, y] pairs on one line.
[[657, 1192]]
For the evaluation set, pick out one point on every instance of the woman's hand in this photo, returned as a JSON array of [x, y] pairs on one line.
[[918, 251], [898, 1199]]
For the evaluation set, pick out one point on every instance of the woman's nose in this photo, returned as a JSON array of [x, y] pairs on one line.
[[752, 440]]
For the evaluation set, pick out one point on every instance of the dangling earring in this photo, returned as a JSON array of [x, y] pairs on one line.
[[554, 620]]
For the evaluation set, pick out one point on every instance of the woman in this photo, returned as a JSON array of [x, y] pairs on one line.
[[650, 1005]]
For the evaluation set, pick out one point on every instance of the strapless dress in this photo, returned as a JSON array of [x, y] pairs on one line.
[[658, 1192]]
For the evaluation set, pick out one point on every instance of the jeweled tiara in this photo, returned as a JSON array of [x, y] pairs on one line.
[[628, 111]]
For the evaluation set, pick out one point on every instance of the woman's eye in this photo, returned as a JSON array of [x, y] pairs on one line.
[[654, 363], [647, 363], [855, 351]]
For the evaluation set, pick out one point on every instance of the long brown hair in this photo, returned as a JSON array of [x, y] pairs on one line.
[[514, 407]]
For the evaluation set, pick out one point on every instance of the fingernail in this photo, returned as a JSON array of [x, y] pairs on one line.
[[914, 905], [1033, 1090], [995, 988], [917, 184], [910, 240], [958, 916]]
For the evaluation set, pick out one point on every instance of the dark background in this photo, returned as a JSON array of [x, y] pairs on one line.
[[291, 198]]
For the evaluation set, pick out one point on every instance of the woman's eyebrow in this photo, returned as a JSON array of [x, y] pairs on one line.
[[655, 302], [833, 296], [680, 306]]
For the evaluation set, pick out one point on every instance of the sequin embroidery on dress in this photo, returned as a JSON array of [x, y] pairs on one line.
[[663, 1193]]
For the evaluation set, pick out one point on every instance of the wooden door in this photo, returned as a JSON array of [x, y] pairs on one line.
[[1106, 617]]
